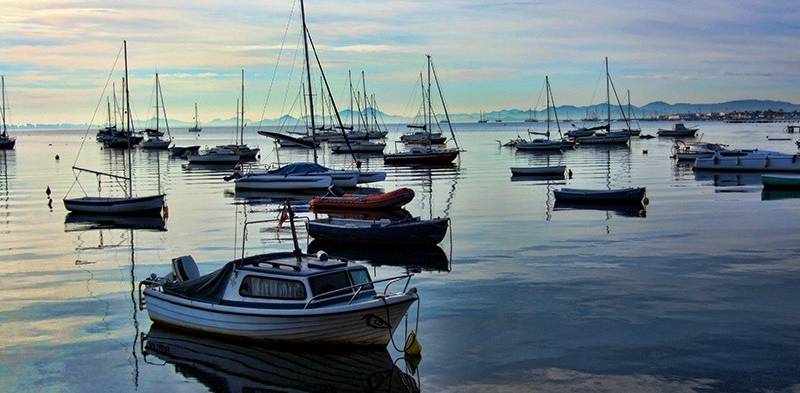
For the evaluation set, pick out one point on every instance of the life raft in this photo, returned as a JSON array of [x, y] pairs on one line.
[[388, 200]]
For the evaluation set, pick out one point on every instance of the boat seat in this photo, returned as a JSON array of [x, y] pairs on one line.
[[185, 268]]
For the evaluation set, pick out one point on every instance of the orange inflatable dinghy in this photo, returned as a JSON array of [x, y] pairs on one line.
[[388, 200]]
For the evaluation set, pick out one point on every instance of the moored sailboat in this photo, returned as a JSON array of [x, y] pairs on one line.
[[128, 204], [7, 142], [196, 127]]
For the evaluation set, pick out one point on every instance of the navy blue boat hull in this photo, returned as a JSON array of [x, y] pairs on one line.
[[401, 232]]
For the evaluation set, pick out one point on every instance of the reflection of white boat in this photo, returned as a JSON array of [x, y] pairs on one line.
[[281, 297], [235, 367], [749, 161], [214, 155], [781, 181]]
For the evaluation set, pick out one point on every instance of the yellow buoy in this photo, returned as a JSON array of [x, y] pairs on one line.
[[413, 347]]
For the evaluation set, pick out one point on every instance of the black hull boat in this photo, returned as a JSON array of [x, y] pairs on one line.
[[444, 157], [149, 205], [411, 231], [629, 195], [183, 152], [7, 143]]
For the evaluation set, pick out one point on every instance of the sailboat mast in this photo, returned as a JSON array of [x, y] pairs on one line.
[[629, 104], [424, 107], [608, 96], [350, 82], [195, 115], [3, 88], [128, 120], [237, 120], [308, 75], [241, 135], [114, 95], [430, 105], [108, 104], [547, 93], [157, 123], [366, 115]]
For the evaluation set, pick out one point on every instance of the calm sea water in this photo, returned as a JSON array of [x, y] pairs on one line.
[[697, 293]]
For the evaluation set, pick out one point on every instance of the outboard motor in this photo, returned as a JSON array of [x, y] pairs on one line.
[[185, 268]]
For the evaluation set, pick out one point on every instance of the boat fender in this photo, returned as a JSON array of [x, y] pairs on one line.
[[413, 346], [569, 172], [646, 201], [322, 256]]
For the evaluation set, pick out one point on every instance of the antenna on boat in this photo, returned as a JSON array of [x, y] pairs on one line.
[[296, 252]]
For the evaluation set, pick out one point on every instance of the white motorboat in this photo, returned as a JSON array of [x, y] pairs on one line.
[[155, 143], [605, 138], [423, 137], [297, 176], [214, 155], [245, 152], [284, 297], [543, 145], [270, 182], [683, 151], [678, 129], [359, 147], [749, 161]]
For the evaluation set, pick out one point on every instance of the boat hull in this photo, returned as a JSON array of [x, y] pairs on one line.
[[785, 163], [390, 200], [280, 182], [544, 146], [621, 139], [160, 144], [7, 143], [632, 195], [411, 232], [213, 158], [140, 205], [544, 170], [361, 324], [781, 182], [431, 158], [671, 133]]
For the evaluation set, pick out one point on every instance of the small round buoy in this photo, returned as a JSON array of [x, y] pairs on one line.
[[57, 157], [48, 191], [644, 151]]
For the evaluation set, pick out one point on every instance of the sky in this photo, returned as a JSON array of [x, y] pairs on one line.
[[57, 55]]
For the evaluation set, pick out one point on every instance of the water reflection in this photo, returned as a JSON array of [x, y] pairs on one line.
[[76, 222], [728, 179], [227, 366], [773, 195], [429, 257]]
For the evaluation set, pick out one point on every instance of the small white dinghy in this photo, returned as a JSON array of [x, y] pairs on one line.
[[283, 297], [539, 170]]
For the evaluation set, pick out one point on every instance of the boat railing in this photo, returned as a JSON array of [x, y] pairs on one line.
[[357, 288]]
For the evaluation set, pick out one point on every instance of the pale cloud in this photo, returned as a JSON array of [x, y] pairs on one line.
[[489, 54]]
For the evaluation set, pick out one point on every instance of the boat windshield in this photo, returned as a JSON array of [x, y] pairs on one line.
[[339, 283]]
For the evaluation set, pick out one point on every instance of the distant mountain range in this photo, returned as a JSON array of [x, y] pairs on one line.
[[565, 112]]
